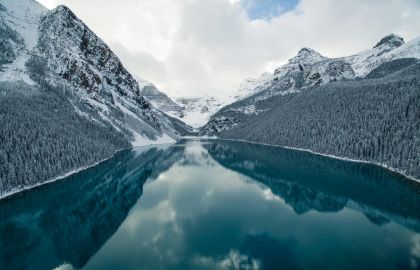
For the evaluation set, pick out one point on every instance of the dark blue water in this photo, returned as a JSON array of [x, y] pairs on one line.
[[216, 205]]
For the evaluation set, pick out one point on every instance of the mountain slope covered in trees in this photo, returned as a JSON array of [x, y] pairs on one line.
[[46, 137], [365, 106], [66, 99], [375, 119]]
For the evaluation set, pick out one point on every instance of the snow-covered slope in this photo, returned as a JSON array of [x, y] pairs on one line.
[[306, 70], [374, 119], [304, 59], [366, 61], [288, 78], [19, 21], [160, 100], [410, 49], [66, 100], [24, 16], [250, 86], [309, 68], [57, 47], [328, 71], [199, 109], [195, 111]]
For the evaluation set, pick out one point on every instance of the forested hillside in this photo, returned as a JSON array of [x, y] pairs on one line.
[[371, 119], [101, 197], [42, 136], [66, 100]]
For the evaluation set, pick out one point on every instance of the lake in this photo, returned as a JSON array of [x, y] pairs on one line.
[[215, 205]]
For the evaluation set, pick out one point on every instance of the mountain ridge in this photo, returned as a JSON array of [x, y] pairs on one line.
[[73, 52], [390, 47], [67, 100], [62, 82], [269, 113]]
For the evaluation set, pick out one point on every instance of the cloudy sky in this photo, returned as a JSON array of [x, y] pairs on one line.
[[190, 47]]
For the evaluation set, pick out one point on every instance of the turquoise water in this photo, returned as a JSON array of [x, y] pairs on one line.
[[216, 205]]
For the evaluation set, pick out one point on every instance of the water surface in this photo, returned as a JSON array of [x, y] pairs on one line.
[[216, 205]]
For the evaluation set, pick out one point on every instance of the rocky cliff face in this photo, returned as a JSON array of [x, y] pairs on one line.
[[66, 99], [160, 100], [58, 48], [76, 54], [84, 61]]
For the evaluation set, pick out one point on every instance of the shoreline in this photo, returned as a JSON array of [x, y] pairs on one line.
[[384, 166], [70, 173], [58, 178], [83, 168]]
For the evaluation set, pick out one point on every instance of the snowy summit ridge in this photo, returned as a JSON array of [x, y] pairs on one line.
[[320, 69], [391, 41], [361, 107]]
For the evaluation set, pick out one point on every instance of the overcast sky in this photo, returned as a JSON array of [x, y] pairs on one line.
[[189, 47]]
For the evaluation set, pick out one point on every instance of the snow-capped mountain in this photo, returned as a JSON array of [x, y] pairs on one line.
[[305, 58], [306, 70], [290, 77], [199, 109], [195, 111], [309, 68], [363, 107], [73, 55], [160, 100], [250, 86], [66, 100], [366, 61]]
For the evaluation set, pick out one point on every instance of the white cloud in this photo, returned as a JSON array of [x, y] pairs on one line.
[[202, 46]]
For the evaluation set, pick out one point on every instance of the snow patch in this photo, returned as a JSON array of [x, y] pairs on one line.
[[16, 71], [365, 62], [140, 140], [199, 109], [24, 17], [247, 110]]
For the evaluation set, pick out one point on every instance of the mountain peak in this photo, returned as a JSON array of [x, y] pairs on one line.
[[306, 50], [63, 7], [307, 56], [64, 10], [391, 40]]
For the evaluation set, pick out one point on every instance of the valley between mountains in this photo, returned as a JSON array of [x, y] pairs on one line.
[[67, 102]]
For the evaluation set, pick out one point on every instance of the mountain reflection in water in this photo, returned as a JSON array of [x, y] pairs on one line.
[[215, 205]]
